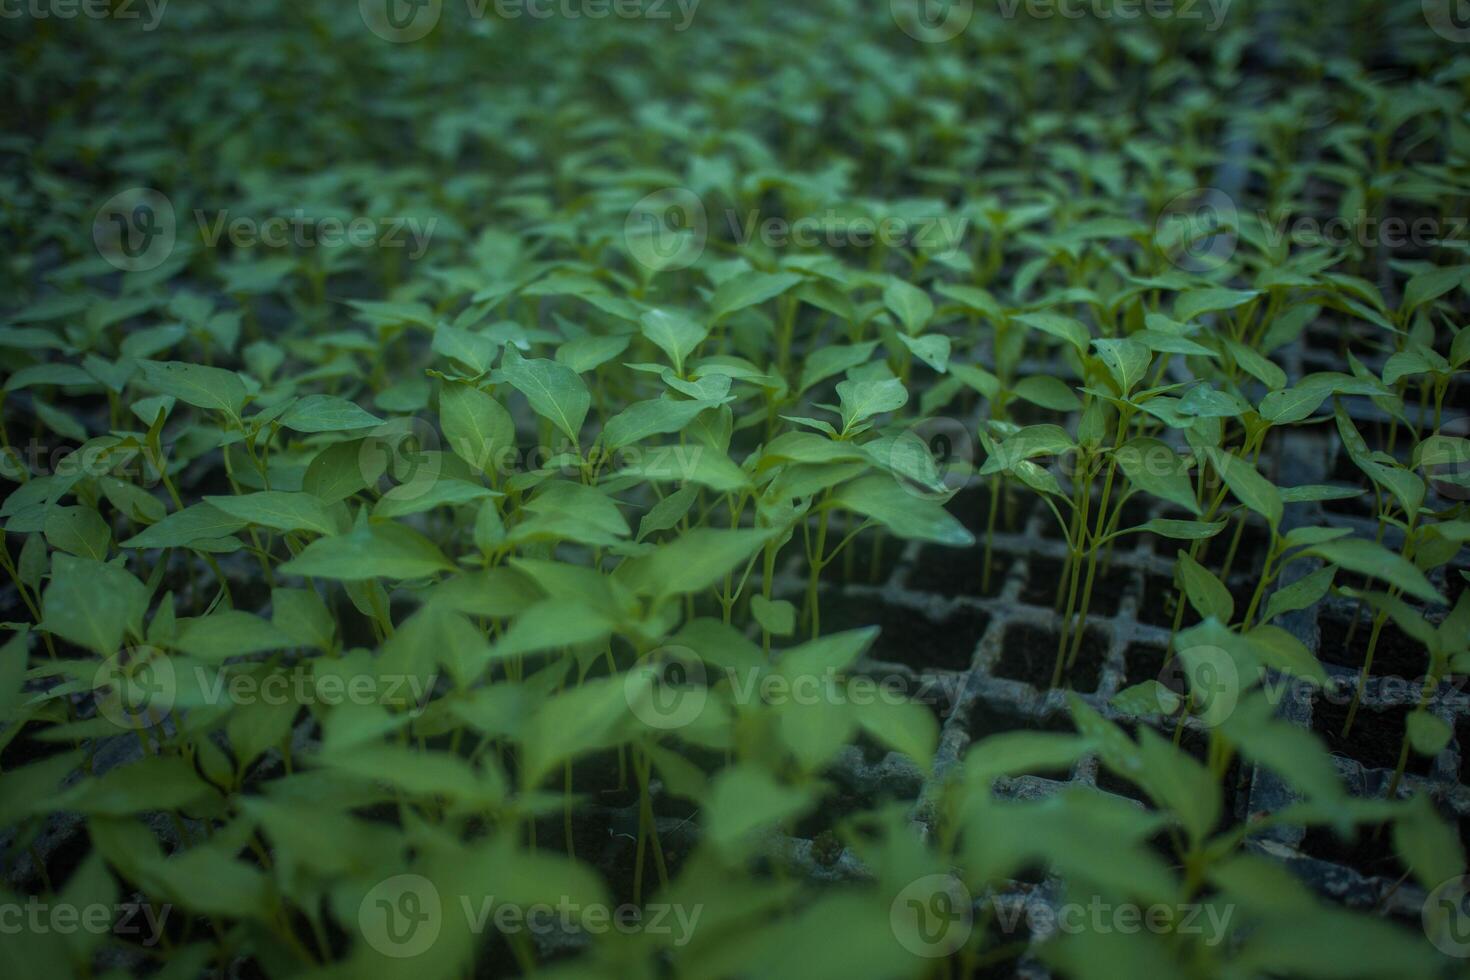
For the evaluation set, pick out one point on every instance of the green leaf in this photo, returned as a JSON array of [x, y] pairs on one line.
[[1127, 362], [1249, 487], [861, 400], [92, 604], [327, 413], [1206, 593], [933, 349], [1367, 558], [1301, 594], [278, 510], [910, 305], [230, 633], [555, 391], [744, 800], [1427, 733], [370, 551], [885, 500], [476, 426], [1256, 365], [692, 562], [775, 616], [749, 289], [1153, 467], [1182, 530], [824, 362], [200, 523], [1062, 327], [673, 332], [905, 727], [657, 416], [1048, 392], [204, 387], [80, 531]]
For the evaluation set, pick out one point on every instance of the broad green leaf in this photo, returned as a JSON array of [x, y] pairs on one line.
[[673, 332], [204, 387], [885, 500], [657, 416], [749, 289], [327, 413], [478, 429], [909, 304], [383, 550], [1249, 487], [1127, 362], [79, 531], [278, 510], [1206, 593], [202, 522], [1153, 467], [861, 400], [555, 391], [1367, 558], [92, 604]]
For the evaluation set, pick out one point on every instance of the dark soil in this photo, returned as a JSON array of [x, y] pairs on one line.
[[856, 563], [1158, 605], [909, 637], [959, 571], [1028, 653], [1045, 576], [1395, 655], [1144, 662], [1255, 542], [1375, 738], [1370, 851], [972, 507]]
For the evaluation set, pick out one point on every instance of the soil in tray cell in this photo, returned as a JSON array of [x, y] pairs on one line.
[[971, 507], [857, 564], [908, 636], [1029, 654], [959, 572], [1144, 662], [1045, 576], [1396, 654], [1160, 597], [1369, 850], [1375, 738]]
